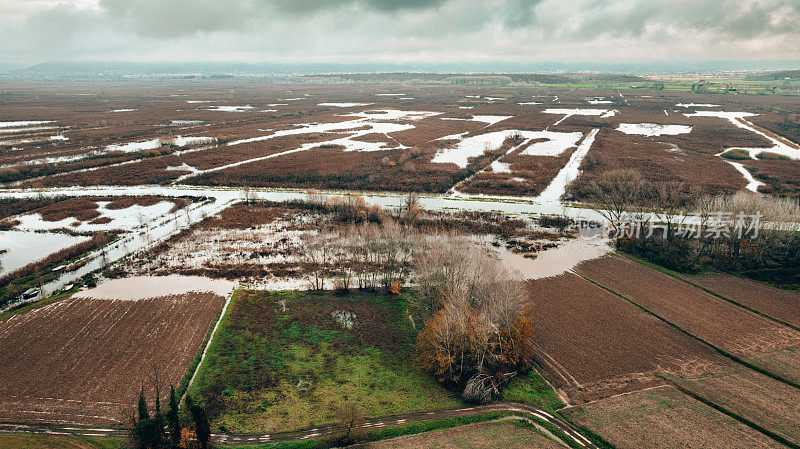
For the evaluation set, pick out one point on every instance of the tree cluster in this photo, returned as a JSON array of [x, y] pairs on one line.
[[170, 429], [476, 333], [367, 256], [770, 251]]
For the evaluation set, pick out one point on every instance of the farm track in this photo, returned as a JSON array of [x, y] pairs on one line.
[[326, 431]]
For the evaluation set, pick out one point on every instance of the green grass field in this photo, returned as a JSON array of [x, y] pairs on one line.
[[532, 389], [281, 361]]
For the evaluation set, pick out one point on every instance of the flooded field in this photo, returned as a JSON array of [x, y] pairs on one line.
[[549, 262], [142, 287], [382, 223], [24, 247], [427, 139], [480, 149]]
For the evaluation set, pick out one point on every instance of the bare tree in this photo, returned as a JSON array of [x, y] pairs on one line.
[[316, 257], [704, 207], [615, 192], [248, 195], [409, 209], [351, 422], [672, 200], [375, 255], [315, 197], [396, 250]]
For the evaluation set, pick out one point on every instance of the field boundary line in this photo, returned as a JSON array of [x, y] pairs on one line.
[[675, 275], [738, 417], [222, 315], [666, 385], [542, 370], [723, 352]]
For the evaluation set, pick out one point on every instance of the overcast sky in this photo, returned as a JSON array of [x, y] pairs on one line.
[[423, 31]]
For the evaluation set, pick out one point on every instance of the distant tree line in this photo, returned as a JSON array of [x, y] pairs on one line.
[[769, 251]]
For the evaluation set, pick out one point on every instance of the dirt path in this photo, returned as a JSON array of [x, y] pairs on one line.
[[299, 435]]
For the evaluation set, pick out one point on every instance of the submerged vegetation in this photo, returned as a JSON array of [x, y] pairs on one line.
[[34, 275], [736, 155]]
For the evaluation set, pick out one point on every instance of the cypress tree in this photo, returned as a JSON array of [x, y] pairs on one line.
[[201, 424], [143, 413], [173, 420], [158, 424], [188, 402]]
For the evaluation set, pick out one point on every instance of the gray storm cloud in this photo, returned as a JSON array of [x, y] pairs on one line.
[[403, 30]]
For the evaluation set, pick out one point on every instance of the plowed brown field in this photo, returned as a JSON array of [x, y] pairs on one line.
[[84, 361], [760, 399], [595, 344], [779, 304], [722, 324], [664, 418]]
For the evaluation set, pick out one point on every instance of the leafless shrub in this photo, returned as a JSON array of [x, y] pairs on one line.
[[772, 209], [351, 423]]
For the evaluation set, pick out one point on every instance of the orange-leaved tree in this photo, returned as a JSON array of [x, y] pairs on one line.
[[477, 332]]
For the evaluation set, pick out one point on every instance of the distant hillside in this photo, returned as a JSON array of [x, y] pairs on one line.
[[607, 77], [776, 76], [169, 68], [476, 78], [453, 73], [443, 78], [313, 73], [8, 67]]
